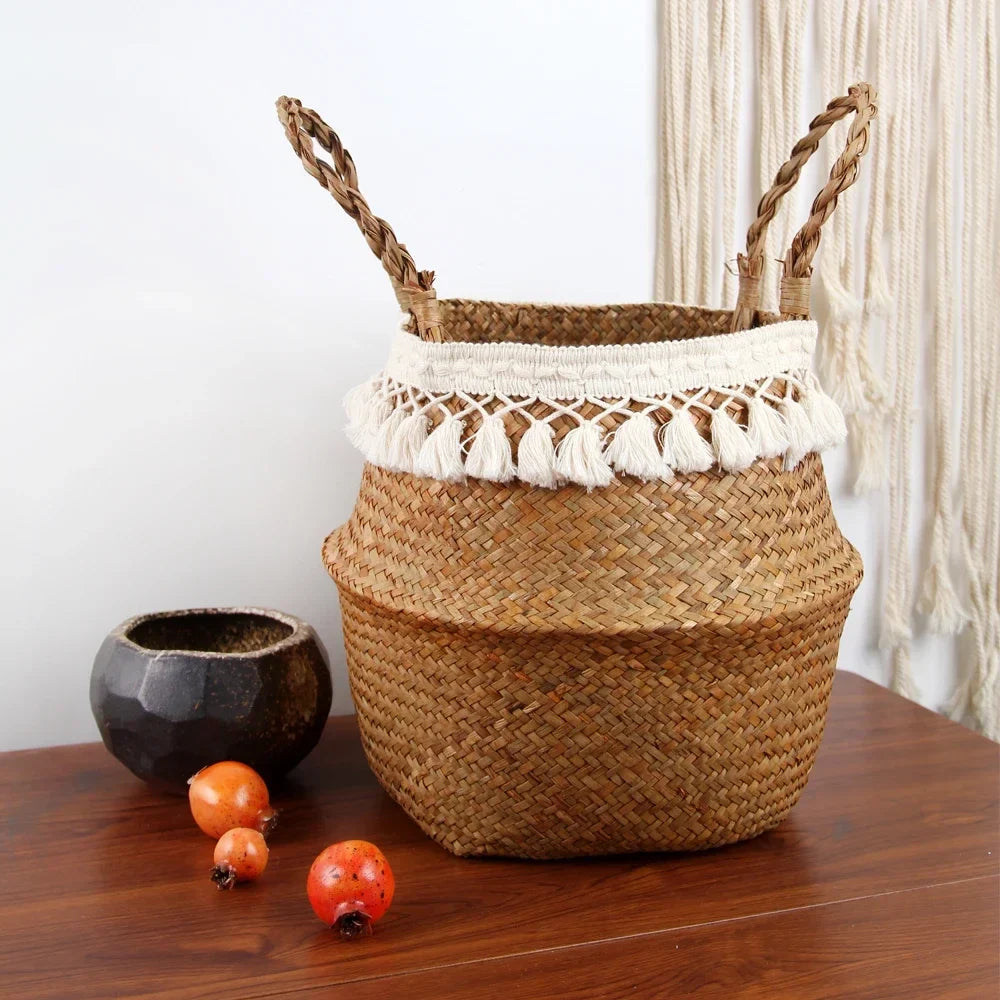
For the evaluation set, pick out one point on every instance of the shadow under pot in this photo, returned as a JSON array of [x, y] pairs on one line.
[[177, 690]]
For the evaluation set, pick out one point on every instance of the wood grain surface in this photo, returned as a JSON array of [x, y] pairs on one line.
[[882, 883], [935, 942]]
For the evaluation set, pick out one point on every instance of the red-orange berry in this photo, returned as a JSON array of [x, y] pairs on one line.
[[227, 795], [350, 886]]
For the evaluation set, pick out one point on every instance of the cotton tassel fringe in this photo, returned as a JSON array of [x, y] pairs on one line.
[[825, 418], [357, 403], [382, 443], [366, 412], [799, 430], [766, 429], [402, 440], [733, 448], [683, 447], [634, 452], [441, 454], [536, 456], [579, 457], [489, 455], [406, 445]]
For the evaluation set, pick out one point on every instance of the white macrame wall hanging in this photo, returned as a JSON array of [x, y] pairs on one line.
[[910, 341]]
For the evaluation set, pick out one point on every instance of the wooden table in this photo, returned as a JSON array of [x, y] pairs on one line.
[[882, 883]]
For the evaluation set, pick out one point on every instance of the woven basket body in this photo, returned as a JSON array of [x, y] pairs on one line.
[[547, 673], [592, 588]]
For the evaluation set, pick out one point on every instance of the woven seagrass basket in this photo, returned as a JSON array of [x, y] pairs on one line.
[[551, 659]]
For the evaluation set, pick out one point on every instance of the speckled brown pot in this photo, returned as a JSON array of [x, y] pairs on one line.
[[177, 690]]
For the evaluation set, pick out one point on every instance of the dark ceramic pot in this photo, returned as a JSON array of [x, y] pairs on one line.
[[175, 691]]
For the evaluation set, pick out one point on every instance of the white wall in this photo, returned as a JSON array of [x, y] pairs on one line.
[[183, 307]]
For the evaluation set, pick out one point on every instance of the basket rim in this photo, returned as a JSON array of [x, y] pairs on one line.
[[545, 305]]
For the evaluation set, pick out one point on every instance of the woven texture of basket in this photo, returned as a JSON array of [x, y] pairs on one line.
[[549, 672]]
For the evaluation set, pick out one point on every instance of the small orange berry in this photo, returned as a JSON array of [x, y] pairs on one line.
[[240, 856]]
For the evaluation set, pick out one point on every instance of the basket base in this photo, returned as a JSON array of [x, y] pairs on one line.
[[522, 746]]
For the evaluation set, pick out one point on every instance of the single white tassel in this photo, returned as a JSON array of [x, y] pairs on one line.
[[733, 449], [845, 310], [828, 426], [986, 696], [867, 432], [668, 458], [365, 425], [876, 391], [536, 456], [959, 705], [903, 681], [383, 439], [634, 451], [489, 455], [579, 458], [407, 442], [683, 446], [977, 697], [880, 298], [840, 367], [441, 454], [895, 627], [938, 598], [357, 403], [799, 430], [766, 429], [843, 304]]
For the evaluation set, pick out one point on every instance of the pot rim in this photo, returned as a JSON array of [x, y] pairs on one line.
[[302, 631]]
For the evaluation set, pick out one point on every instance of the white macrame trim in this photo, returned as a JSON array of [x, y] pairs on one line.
[[413, 416], [617, 370]]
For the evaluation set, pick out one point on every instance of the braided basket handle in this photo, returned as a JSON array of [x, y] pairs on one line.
[[414, 289], [794, 297]]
